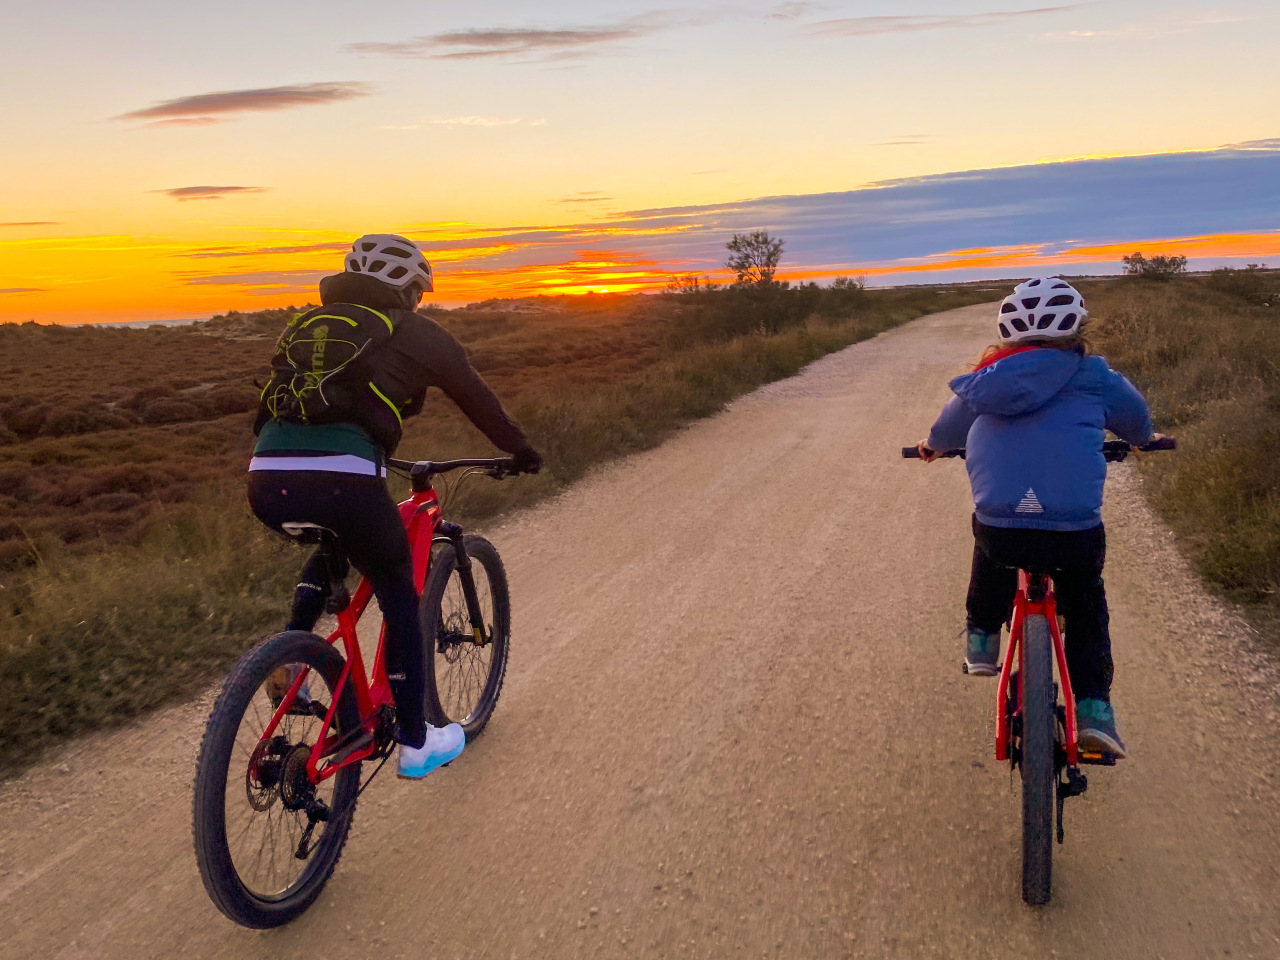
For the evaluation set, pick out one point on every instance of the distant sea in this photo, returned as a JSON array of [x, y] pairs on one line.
[[142, 323]]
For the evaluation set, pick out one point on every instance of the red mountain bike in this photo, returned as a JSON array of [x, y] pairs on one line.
[[1035, 731], [279, 769]]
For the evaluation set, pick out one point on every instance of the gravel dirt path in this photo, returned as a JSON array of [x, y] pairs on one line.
[[735, 726]]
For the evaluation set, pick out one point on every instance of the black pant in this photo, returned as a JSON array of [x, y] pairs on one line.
[[372, 536], [1074, 560]]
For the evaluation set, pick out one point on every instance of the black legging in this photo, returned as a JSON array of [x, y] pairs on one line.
[[372, 536], [1074, 560]]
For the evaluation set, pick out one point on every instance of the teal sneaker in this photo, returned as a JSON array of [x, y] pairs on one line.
[[443, 745], [1096, 728], [982, 653]]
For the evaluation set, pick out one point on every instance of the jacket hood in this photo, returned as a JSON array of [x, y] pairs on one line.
[[1018, 384], [364, 290]]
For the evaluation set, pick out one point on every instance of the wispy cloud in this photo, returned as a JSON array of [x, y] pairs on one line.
[[207, 193], [795, 11], [21, 290], [261, 278], [1149, 29], [471, 121], [218, 253], [477, 121], [586, 196], [1267, 146], [206, 108], [907, 140], [30, 223], [870, 26], [526, 43]]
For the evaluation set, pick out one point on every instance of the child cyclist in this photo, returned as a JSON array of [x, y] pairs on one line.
[[1031, 417], [327, 424]]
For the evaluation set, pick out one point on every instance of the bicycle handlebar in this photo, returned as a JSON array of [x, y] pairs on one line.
[[1114, 450], [418, 469]]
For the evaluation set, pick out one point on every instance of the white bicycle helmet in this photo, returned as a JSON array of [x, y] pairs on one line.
[[1043, 307], [392, 259]]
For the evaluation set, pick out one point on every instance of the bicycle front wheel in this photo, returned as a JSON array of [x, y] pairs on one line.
[[1039, 772], [262, 857], [465, 672]]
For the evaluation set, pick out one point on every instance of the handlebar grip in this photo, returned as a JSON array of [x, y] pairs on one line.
[[910, 453], [1164, 443]]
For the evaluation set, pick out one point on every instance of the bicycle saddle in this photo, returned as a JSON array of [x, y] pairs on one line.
[[309, 532]]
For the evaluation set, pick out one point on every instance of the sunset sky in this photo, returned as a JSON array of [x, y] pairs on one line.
[[169, 160]]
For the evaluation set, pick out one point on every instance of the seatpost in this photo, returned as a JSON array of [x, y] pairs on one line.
[[1037, 587], [335, 570]]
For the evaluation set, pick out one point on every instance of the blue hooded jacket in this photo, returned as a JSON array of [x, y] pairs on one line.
[[1033, 425]]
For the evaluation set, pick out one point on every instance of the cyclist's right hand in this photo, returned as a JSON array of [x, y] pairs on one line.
[[927, 453], [527, 460]]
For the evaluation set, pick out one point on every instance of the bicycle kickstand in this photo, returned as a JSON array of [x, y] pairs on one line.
[[1074, 785]]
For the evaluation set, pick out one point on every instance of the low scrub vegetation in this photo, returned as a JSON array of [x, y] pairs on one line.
[[1206, 352], [130, 568]]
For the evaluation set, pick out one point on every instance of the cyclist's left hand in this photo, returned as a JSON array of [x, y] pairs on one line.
[[927, 453], [1154, 437], [528, 460]]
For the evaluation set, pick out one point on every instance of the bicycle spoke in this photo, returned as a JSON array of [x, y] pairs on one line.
[[262, 842]]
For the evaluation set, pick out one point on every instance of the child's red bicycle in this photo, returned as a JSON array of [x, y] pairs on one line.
[[279, 769], [1035, 730]]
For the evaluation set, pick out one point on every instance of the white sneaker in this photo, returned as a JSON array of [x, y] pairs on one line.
[[443, 744]]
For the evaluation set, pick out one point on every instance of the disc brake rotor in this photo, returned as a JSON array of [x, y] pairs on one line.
[[262, 777]]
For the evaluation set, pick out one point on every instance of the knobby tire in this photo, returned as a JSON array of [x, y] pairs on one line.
[[1039, 774]]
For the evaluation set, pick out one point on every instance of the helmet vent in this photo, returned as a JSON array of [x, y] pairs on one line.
[[1019, 324], [377, 266], [396, 273], [1061, 300], [353, 265], [1045, 320], [1067, 322], [1004, 332], [366, 247], [1033, 283], [1061, 286], [1008, 308], [1031, 303], [397, 252]]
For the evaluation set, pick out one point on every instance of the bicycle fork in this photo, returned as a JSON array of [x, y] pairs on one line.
[[453, 533]]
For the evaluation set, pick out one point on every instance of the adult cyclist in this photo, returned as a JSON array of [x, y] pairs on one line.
[[330, 470]]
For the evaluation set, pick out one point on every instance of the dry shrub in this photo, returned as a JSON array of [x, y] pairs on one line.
[[1209, 362]]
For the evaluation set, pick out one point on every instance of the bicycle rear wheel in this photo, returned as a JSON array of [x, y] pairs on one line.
[[251, 795], [464, 675], [1039, 774]]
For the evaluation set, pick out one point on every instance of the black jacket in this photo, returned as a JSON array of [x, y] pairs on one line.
[[422, 354]]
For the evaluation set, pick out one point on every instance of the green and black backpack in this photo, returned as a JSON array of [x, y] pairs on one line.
[[322, 372]]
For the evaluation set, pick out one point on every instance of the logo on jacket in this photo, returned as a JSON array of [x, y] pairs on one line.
[[1029, 503]]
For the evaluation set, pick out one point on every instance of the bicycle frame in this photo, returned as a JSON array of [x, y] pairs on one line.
[[1034, 596], [421, 515]]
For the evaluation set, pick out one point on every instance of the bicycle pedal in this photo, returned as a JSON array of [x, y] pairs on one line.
[[1099, 759]]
